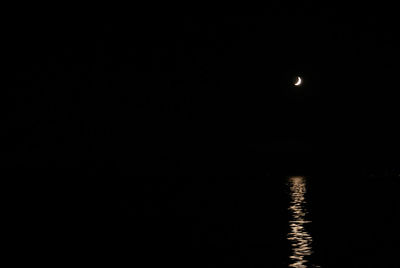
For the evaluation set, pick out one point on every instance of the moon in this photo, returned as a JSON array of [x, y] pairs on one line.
[[299, 81]]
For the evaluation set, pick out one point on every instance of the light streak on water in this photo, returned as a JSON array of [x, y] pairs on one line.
[[299, 239]]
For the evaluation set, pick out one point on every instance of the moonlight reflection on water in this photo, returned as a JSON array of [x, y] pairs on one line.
[[300, 240]]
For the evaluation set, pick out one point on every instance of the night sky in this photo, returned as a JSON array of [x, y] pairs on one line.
[[162, 85], [176, 84]]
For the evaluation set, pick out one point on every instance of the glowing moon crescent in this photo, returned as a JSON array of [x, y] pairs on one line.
[[298, 83]]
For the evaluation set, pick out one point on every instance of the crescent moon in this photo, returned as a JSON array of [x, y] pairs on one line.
[[298, 83]]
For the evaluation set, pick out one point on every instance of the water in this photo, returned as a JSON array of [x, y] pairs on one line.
[[263, 221], [299, 238]]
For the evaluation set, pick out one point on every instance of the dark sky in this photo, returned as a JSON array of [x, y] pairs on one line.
[[161, 84]]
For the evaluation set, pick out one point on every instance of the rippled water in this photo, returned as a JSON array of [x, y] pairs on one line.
[[298, 236], [266, 221]]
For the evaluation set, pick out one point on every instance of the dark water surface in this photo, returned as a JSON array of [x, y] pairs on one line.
[[244, 221], [263, 221]]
